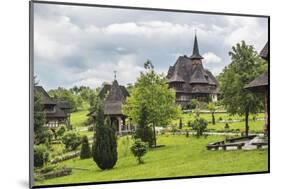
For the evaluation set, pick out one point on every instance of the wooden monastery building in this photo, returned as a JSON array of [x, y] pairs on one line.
[[114, 96], [191, 80], [56, 112]]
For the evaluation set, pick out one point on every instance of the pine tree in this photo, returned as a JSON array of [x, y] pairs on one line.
[[40, 132], [85, 149], [105, 142]]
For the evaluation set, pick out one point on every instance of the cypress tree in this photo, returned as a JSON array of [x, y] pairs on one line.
[[85, 149], [105, 144]]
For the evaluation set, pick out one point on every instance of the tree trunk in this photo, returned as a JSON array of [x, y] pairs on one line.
[[213, 118], [247, 122], [154, 136]]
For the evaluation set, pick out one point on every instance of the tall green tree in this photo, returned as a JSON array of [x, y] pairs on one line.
[[245, 66], [105, 142], [40, 131], [152, 92]]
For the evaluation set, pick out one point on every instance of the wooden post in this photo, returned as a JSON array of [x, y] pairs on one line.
[[119, 125], [266, 114]]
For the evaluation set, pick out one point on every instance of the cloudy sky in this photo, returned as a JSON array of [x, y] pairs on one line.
[[84, 45]]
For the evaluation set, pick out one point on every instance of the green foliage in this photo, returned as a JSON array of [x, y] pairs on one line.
[[181, 156], [226, 126], [79, 97], [143, 131], [199, 125], [152, 92], [212, 109], [61, 130], [245, 66], [124, 145], [39, 120], [64, 94], [105, 142], [41, 155], [71, 140], [194, 103], [85, 149], [145, 134], [180, 124], [139, 149]]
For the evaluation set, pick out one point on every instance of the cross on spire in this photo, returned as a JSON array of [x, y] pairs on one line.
[[114, 74]]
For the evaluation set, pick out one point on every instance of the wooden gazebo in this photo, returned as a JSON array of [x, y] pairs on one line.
[[260, 85], [113, 102]]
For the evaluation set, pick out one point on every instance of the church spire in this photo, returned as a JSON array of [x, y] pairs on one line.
[[195, 54]]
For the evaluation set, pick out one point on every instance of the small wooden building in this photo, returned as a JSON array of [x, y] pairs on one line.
[[190, 80], [260, 84], [114, 96], [56, 112]]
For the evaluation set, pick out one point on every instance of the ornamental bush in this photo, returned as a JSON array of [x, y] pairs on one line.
[[139, 149], [199, 125], [85, 149], [145, 134], [71, 140], [60, 131], [41, 155]]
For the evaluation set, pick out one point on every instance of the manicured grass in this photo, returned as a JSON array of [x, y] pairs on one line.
[[255, 126], [180, 157], [77, 119]]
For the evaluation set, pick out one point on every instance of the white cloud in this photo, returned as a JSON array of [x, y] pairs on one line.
[[211, 58], [126, 67], [83, 47]]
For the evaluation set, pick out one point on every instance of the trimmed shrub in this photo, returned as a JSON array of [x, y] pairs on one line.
[[71, 140], [65, 157], [186, 134], [180, 124], [226, 126], [145, 134], [139, 149], [85, 149], [41, 155], [105, 142], [199, 125]]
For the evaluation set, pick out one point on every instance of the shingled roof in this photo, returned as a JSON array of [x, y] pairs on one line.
[[115, 99], [259, 84], [175, 76], [198, 75], [58, 106], [45, 98], [190, 72], [264, 52], [196, 54], [57, 113]]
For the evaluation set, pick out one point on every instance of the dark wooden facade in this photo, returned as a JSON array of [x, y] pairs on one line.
[[114, 96], [190, 80], [56, 112]]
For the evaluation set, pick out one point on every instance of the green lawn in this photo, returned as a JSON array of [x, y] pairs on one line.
[[254, 125], [180, 157], [78, 118]]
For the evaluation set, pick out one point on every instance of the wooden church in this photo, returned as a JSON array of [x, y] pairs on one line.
[[114, 96], [190, 80]]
